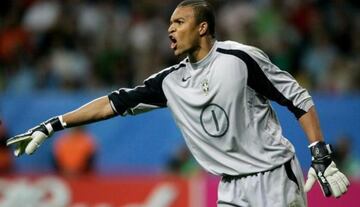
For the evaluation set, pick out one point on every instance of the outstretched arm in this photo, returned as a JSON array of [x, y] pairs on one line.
[[96, 110], [120, 102]]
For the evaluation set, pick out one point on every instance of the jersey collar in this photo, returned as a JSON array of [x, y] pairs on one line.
[[206, 60]]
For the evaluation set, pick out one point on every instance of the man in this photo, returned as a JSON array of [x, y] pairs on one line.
[[219, 96]]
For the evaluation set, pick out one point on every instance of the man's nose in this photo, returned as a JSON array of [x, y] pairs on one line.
[[171, 29]]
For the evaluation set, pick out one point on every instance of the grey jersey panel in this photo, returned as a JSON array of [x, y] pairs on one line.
[[221, 105]]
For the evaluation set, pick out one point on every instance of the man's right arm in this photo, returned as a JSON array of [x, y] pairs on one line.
[[120, 102], [96, 110]]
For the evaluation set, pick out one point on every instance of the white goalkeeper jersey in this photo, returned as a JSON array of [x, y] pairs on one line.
[[221, 105]]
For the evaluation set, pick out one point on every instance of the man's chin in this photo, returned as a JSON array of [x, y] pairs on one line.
[[179, 53]]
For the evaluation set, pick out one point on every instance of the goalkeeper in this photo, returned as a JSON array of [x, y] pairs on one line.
[[219, 95]]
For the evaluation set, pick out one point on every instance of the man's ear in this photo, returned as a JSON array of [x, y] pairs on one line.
[[203, 28]]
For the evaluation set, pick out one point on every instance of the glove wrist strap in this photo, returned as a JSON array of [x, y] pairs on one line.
[[320, 150], [56, 123]]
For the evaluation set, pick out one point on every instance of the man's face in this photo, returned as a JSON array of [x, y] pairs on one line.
[[183, 31]]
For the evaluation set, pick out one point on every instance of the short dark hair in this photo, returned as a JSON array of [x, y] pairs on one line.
[[204, 12]]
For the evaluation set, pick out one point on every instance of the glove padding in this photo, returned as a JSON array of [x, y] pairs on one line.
[[335, 183], [324, 170], [29, 141]]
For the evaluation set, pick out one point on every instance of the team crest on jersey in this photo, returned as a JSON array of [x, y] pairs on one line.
[[205, 86]]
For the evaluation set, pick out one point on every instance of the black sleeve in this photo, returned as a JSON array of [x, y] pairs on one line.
[[142, 98]]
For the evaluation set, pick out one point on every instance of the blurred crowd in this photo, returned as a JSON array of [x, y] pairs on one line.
[[102, 44]]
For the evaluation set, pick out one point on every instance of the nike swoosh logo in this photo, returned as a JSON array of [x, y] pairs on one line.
[[185, 79]]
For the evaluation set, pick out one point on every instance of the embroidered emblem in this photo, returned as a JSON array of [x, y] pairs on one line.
[[205, 86]]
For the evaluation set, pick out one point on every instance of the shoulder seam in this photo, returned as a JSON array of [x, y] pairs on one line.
[[174, 68]]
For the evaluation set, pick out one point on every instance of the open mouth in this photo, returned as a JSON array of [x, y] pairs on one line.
[[173, 42]]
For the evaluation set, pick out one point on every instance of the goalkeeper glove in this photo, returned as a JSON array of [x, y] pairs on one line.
[[323, 169], [29, 141]]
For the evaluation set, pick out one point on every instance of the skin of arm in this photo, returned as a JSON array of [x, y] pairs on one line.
[[96, 110], [311, 125]]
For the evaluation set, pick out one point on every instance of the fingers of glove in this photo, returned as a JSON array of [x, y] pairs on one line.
[[310, 180], [334, 185], [18, 139], [344, 179], [17, 152], [20, 148], [339, 179], [336, 179], [38, 138]]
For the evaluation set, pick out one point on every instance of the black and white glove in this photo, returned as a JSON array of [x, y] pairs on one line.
[[323, 169], [29, 141]]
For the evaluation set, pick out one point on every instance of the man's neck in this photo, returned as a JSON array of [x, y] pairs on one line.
[[204, 48]]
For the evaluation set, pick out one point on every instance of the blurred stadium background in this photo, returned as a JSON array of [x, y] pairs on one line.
[[57, 55]]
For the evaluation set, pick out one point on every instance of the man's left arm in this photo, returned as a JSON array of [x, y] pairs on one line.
[[278, 85], [311, 126], [323, 169]]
